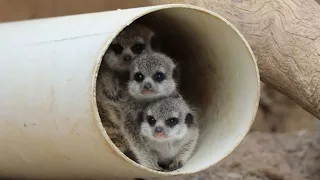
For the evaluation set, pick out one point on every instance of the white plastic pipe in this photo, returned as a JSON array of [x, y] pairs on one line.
[[49, 122]]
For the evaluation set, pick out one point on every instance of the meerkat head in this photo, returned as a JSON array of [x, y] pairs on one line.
[[127, 45], [151, 76], [166, 120]]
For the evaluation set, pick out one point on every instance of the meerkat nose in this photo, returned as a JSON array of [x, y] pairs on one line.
[[127, 58], [147, 86], [158, 129]]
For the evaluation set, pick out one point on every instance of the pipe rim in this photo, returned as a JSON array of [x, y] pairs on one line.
[[97, 67]]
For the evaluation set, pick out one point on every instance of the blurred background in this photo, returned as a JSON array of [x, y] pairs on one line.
[[279, 120]]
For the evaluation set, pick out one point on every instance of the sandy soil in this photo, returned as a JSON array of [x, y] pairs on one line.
[[265, 156], [277, 113]]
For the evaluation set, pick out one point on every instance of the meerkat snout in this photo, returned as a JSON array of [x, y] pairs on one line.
[[158, 130], [127, 58], [147, 86]]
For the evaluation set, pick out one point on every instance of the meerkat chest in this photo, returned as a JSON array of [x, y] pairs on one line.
[[166, 151]]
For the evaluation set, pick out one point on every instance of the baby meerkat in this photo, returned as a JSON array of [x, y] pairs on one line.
[[151, 78], [131, 42], [127, 45], [169, 128]]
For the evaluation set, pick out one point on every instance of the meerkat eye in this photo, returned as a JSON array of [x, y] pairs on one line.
[[151, 120], [159, 77], [138, 48], [138, 77], [117, 48], [172, 122]]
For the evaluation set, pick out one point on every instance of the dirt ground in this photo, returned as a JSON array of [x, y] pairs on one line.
[[277, 113], [266, 156], [282, 143]]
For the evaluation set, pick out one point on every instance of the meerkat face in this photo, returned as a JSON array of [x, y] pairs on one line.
[[130, 43], [166, 120], [151, 76]]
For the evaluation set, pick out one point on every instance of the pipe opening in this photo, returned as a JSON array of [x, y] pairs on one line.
[[218, 77]]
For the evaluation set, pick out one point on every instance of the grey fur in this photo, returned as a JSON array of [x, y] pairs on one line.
[[109, 109], [179, 141], [131, 129], [112, 78], [127, 38], [114, 63], [148, 64], [135, 102]]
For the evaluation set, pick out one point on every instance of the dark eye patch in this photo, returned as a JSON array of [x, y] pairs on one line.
[[172, 121], [189, 120], [116, 48], [159, 77], [139, 77], [151, 120], [140, 118], [138, 48]]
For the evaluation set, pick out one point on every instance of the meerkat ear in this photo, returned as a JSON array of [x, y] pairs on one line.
[[155, 43], [189, 120]]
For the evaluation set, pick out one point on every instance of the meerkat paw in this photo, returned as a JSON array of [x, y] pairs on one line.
[[175, 165], [157, 168], [113, 95], [153, 167]]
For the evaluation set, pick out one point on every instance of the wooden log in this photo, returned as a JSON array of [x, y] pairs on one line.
[[285, 38]]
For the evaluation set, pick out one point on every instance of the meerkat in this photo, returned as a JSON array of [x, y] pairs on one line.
[[151, 78], [170, 129], [130, 43]]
